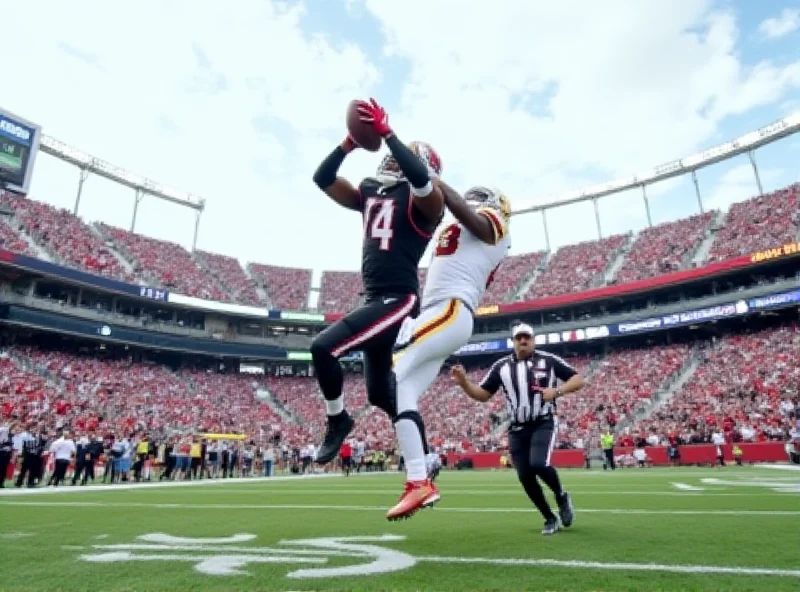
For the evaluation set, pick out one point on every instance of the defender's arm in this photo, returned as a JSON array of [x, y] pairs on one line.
[[483, 224]]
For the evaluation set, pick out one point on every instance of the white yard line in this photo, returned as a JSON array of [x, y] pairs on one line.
[[795, 468], [684, 569], [514, 491], [465, 510], [9, 492], [686, 487]]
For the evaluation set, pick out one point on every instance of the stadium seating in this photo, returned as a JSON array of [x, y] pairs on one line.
[[759, 223], [742, 383], [663, 248], [576, 267], [231, 275], [165, 264], [739, 386], [287, 287], [339, 291], [65, 236], [12, 241], [756, 224], [616, 384], [511, 275]]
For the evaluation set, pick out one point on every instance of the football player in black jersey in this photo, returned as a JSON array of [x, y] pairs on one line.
[[400, 208]]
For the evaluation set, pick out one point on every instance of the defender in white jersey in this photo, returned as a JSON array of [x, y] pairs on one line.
[[467, 253]]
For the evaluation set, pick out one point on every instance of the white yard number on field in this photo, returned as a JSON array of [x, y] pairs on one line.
[[227, 556]]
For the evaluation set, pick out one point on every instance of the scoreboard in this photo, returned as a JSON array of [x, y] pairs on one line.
[[19, 144]]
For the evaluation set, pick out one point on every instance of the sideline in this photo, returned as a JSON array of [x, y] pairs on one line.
[[11, 492]]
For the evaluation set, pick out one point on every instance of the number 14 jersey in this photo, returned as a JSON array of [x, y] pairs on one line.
[[396, 234], [463, 266]]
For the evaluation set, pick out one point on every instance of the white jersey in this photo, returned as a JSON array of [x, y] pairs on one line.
[[463, 265]]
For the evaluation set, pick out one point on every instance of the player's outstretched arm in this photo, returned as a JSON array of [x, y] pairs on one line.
[[337, 188], [477, 223], [427, 197]]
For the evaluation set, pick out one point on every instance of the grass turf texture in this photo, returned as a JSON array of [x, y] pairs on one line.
[[632, 529]]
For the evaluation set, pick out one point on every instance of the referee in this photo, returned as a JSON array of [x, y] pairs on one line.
[[529, 380]]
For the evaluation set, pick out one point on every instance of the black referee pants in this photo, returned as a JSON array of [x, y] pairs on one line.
[[373, 329], [31, 467], [531, 446]]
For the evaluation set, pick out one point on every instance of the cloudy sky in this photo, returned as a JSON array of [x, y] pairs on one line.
[[238, 105]]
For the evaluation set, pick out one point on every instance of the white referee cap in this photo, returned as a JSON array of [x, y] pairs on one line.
[[522, 329]]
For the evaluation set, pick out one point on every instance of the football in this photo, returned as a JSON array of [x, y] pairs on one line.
[[363, 133]]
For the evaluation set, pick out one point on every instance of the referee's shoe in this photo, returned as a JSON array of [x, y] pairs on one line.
[[551, 526], [565, 509]]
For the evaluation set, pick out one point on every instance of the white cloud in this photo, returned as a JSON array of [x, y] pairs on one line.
[[628, 85], [238, 106], [788, 21], [171, 91]]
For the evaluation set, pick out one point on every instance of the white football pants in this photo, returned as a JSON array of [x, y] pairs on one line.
[[432, 337]]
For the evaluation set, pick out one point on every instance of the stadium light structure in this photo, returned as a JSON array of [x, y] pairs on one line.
[[746, 144], [142, 186]]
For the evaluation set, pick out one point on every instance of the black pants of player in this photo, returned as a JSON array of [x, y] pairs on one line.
[[5, 460], [138, 466], [372, 328], [170, 466], [531, 446], [76, 474], [31, 466], [60, 471], [86, 472], [609, 461]]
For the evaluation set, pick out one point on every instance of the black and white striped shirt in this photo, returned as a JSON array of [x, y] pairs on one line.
[[522, 382]]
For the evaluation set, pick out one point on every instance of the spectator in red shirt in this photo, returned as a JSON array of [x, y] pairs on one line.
[[346, 454]]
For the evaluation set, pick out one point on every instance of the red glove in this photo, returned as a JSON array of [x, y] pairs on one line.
[[376, 116]]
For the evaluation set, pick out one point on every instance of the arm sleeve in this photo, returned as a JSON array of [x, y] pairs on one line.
[[326, 172], [563, 370], [413, 168], [491, 382]]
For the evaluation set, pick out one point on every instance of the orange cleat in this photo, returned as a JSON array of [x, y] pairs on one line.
[[417, 495]]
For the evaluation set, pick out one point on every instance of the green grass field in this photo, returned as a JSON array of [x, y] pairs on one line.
[[634, 530]]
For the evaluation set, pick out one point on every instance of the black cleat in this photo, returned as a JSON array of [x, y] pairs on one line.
[[339, 427], [565, 510], [550, 527]]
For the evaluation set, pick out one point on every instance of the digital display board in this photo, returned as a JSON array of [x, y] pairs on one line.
[[19, 144]]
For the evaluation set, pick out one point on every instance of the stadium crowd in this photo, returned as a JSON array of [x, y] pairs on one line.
[[664, 248], [755, 224], [578, 267], [287, 288], [759, 223], [746, 385]]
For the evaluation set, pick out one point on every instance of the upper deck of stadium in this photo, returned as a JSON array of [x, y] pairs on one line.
[[43, 231]]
